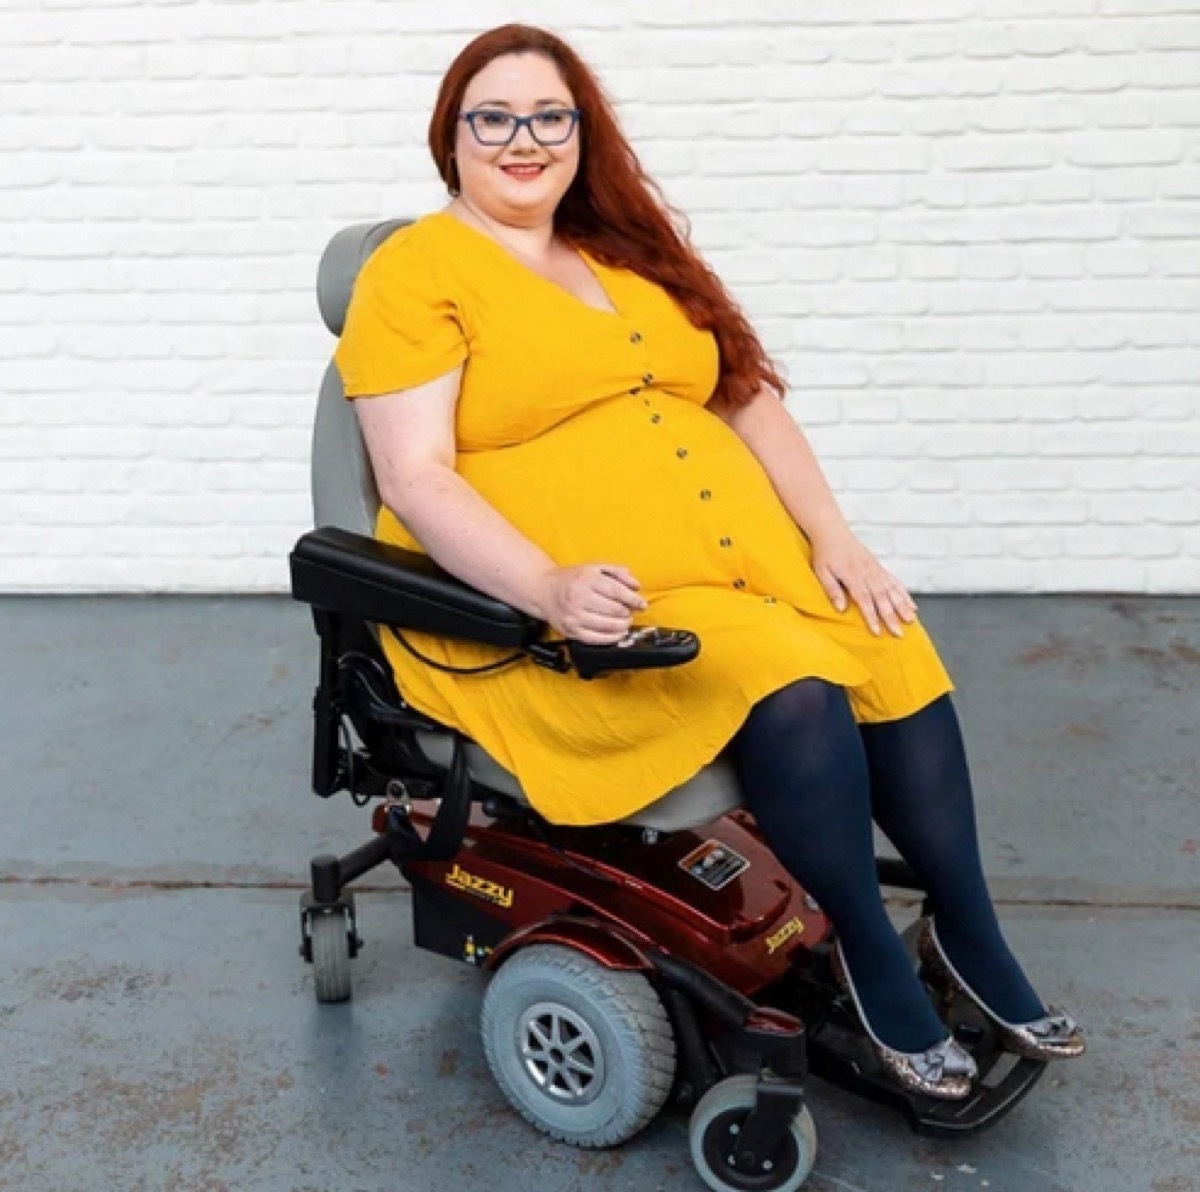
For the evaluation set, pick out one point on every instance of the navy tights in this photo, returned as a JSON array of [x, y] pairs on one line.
[[814, 780]]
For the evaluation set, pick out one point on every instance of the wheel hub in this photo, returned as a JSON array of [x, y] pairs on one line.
[[560, 1053], [756, 1173]]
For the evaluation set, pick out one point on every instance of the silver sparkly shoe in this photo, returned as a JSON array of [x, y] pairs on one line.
[[1054, 1036], [944, 1070]]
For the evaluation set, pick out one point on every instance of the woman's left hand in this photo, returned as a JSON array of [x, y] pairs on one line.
[[847, 568]]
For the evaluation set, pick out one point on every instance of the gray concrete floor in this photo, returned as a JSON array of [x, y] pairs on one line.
[[158, 1030]]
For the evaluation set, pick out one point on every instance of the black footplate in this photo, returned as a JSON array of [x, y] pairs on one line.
[[641, 649], [843, 1057]]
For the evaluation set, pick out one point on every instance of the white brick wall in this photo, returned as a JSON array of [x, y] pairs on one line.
[[967, 227]]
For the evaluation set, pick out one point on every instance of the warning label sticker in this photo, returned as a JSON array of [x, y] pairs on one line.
[[715, 864]]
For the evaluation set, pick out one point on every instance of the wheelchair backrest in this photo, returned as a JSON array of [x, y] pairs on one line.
[[343, 487]]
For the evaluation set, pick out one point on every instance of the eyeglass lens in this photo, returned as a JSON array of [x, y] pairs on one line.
[[551, 127]]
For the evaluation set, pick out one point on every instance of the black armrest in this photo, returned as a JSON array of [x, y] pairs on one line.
[[356, 576]]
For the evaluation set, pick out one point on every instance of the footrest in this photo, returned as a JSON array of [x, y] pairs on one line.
[[843, 1057]]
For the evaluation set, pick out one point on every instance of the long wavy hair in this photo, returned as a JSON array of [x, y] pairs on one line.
[[613, 208]]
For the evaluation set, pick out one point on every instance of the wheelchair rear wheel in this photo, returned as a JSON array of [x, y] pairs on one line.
[[716, 1122], [584, 1053]]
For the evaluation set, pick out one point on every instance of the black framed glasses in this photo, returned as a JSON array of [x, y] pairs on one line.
[[552, 126]]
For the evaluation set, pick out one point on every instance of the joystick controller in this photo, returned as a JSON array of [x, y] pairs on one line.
[[648, 648]]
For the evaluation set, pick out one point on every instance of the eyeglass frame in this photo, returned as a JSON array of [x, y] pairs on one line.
[[518, 123]]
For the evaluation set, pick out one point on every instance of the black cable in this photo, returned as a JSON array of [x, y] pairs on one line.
[[360, 799], [457, 670]]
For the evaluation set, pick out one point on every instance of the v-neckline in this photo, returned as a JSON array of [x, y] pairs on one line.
[[589, 261]]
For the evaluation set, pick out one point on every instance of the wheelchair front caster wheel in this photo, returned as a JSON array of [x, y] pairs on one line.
[[716, 1122], [331, 955]]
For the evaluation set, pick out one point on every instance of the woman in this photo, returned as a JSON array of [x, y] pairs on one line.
[[567, 411]]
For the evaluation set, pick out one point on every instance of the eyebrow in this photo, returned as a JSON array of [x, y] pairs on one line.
[[541, 103]]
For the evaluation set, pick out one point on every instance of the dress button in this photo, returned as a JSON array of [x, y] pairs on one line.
[[648, 379], [655, 417], [635, 337], [739, 584], [726, 541], [768, 600], [682, 452], [705, 494]]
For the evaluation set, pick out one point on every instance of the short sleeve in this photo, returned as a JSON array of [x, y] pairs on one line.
[[404, 323]]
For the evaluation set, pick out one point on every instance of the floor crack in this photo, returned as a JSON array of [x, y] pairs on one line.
[[173, 884]]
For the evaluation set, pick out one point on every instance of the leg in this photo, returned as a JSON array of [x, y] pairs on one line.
[[800, 761], [921, 797]]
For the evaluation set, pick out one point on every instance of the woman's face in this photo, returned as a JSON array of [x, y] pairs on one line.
[[522, 182]]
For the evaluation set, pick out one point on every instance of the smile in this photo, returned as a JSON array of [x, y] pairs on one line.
[[523, 171]]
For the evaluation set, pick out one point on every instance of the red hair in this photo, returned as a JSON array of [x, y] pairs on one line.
[[613, 209]]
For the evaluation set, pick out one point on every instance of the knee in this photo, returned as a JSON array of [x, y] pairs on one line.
[[801, 746], [804, 703]]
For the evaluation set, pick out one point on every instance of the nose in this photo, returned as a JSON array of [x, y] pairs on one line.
[[523, 139]]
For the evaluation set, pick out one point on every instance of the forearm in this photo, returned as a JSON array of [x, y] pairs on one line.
[[467, 536], [788, 459]]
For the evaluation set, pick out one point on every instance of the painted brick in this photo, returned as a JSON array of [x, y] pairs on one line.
[[1035, 543], [967, 229]]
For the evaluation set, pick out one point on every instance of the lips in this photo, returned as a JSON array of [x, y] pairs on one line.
[[523, 171]]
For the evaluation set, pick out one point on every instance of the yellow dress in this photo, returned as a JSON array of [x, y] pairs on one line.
[[588, 431]]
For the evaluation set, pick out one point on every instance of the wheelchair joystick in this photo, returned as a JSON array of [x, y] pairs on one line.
[[647, 648]]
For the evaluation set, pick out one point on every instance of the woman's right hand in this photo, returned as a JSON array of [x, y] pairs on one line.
[[593, 603]]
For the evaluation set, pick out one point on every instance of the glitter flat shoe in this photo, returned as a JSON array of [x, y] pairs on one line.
[[1054, 1036], [944, 1070]]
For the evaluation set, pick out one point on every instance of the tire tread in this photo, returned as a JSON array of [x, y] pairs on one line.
[[331, 959], [631, 1001]]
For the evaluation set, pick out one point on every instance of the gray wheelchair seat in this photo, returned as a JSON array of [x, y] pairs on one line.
[[344, 495]]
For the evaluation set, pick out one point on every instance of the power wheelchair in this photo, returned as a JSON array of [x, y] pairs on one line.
[[665, 959]]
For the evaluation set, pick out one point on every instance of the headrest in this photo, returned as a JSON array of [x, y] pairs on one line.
[[344, 256]]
